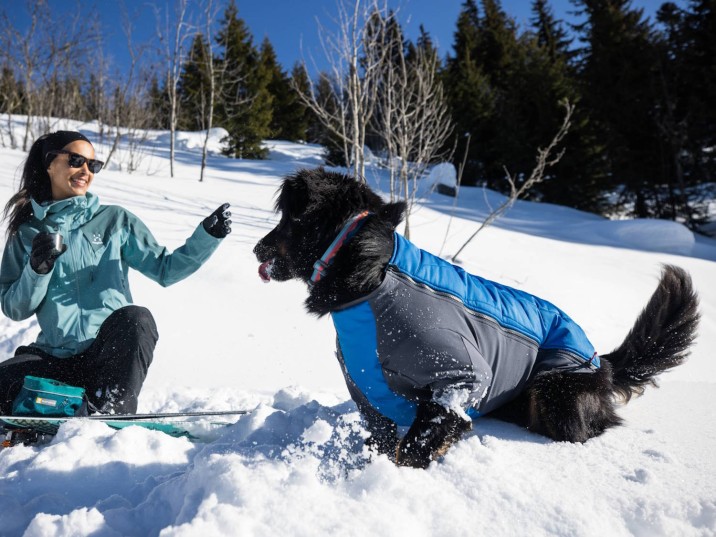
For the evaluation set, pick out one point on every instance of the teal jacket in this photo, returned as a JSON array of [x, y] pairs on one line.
[[89, 281]]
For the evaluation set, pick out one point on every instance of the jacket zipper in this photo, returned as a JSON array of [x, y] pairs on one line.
[[519, 335], [76, 258]]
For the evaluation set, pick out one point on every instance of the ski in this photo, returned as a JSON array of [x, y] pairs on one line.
[[131, 417], [166, 415], [31, 429]]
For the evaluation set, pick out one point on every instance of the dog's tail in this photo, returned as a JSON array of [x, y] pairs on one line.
[[660, 338]]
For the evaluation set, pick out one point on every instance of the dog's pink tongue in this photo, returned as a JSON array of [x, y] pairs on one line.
[[265, 270]]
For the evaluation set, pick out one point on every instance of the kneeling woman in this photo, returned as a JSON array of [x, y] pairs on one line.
[[66, 261]]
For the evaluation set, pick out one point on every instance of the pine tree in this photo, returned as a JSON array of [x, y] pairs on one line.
[[335, 152], [244, 105], [618, 70], [305, 121], [490, 96], [698, 56], [551, 37], [685, 112], [504, 60], [195, 86], [469, 93], [549, 79], [287, 117], [158, 105], [96, 102]]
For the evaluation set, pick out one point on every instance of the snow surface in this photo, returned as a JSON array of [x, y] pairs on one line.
[[295, 465]]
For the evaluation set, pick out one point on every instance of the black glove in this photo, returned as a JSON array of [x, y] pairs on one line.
[[218, 223], [44, 252]]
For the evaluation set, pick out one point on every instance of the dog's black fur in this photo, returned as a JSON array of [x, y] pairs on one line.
[[314, 206]]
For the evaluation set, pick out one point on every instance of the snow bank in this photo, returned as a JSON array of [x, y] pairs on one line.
[[296, 465]]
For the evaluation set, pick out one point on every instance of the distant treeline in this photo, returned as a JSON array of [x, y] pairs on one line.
[[642, 140]]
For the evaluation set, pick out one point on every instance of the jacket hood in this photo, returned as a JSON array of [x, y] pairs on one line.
[[72, 212]]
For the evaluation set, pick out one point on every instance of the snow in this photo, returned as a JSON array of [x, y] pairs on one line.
[[443, 174], [295, 465]]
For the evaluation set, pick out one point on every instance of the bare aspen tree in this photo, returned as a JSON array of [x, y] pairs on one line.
[[97, 99], [544, 160], [11, 99], [414, 120], [127, 96], [208, 106], [173, 39], [24, 56], [43, 58], [354, 66]]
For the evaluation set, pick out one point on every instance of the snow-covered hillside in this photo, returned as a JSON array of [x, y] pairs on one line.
[[295, 465]]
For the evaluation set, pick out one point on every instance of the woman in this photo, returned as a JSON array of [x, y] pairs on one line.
[[91, 336]]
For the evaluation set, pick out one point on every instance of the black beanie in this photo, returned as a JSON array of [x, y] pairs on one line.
[[57, 140]]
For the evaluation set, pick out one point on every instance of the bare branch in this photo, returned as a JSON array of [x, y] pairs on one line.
[[354, 67], [544, 161]]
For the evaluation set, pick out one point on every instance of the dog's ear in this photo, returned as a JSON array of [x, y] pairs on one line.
[[392, 213], [293, 197]]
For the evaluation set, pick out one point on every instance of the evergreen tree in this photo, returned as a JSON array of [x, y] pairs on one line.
[[194, 87], [306, 124], [287, 118], [491, 97], [506, 90], [470, 94], [497, 45], [618, 70], [425, 42], [244, 104], [694, 69], [703, 23], [335, 152], [95, 100], [685, 113], [551, 37], [159, 105], [549, 79], [511, 128]]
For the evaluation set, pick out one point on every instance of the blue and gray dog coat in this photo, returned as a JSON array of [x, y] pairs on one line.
[[431, 327]]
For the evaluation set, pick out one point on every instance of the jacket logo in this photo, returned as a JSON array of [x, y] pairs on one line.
[[96, 238]]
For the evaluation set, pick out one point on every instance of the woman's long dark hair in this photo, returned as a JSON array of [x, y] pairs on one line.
[[35, 184]]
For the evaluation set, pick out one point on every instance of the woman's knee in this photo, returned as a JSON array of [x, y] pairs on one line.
[[134, 319]]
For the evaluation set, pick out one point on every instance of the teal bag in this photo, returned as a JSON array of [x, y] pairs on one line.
[[48, 397]]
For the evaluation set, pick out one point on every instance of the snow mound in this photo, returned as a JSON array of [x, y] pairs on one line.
[[656, 235], [305, 154], [443, 174]]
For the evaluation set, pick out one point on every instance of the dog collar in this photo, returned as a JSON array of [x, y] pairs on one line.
[[346, 234]]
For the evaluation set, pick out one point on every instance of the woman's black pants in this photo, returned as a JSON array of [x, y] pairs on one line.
[[112, 370]]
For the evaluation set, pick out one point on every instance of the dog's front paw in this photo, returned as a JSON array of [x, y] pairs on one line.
[[383, 437], [430, 436], [414, 452], [382, 444]]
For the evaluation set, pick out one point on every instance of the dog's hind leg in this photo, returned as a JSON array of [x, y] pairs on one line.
[[516, 411], [572, 407]]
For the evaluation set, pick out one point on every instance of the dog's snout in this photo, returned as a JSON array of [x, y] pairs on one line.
[[261, 251], [267, 248]]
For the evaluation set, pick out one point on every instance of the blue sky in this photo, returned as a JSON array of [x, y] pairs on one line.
[[291, 24]]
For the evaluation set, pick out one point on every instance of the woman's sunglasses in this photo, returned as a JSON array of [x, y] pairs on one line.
[[75, 160]]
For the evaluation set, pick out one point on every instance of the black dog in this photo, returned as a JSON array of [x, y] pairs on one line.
[[426, 345]]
